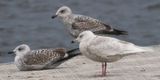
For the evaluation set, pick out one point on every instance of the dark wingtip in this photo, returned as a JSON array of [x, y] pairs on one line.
[[72, 50], [114, 31], [119, 32], [70, 55]]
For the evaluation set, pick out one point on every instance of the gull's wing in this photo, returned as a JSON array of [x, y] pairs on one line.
[[83, 23], [44, 56], [107, 46]]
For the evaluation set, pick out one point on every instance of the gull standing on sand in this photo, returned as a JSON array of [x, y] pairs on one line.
[[79, 23], [27, 59], [106, 49]]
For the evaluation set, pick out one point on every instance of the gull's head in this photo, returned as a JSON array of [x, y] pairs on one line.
[[84, 36], [21, 49], [62, 12]]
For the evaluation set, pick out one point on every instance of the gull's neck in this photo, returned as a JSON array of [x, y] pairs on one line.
[[69, 19]]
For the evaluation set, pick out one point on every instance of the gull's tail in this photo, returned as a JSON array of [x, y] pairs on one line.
[[147, 49], [140, 50], [137, 49]]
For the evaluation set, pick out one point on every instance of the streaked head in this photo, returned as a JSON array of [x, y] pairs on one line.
[[62, 12], [85, 35], [21, 49]]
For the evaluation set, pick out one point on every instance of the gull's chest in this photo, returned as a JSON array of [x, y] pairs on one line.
[[86, 52], [68, 23], [83, 48], [19, 62]]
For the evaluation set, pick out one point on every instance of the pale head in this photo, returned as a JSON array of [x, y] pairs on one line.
[[21, 49], [85, 36], [63, 12]]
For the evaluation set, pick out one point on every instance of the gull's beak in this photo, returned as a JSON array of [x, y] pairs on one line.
[[74, 41], [54, 16], [11, 52]]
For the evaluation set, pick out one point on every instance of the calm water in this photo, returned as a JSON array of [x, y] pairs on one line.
[[29, 21]]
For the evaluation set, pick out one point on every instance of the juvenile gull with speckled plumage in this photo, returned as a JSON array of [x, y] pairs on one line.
[[27, 59], [79, 23], [106, 49]]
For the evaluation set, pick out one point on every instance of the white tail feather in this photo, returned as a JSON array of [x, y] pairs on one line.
[[147, 49]]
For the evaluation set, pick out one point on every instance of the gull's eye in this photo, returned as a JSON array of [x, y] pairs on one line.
[[62, 11], [20, 49], [80, 36]]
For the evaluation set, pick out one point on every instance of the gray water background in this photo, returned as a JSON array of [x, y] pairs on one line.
[[29, 22]]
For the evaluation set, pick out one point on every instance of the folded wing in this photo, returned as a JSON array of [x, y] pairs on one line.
[[106, 46], [44, 56], [83, 23]]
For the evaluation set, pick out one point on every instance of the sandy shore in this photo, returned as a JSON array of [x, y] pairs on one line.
[[145, 66]]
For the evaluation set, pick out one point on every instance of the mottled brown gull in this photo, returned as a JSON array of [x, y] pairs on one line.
[[106, 49], [27, 59], [78, 23]]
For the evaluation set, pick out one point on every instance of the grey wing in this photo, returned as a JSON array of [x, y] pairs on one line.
[[103, 46], [83, 23], [44, 56]]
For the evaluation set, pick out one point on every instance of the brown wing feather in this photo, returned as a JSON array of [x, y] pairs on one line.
[[44, 56], [88, 23], [96, 26]]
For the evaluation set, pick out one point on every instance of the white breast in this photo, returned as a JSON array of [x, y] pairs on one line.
[[85, 52], [18, 62]]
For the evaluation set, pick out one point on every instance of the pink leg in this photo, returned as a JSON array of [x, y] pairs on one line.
[[105, 68], [102, 68]]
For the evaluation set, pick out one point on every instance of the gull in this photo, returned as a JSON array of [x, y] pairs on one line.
[[106, 49], [78, 23], [27, 59]]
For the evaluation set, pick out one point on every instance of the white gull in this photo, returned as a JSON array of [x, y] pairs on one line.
[[106, 49]]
